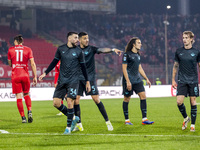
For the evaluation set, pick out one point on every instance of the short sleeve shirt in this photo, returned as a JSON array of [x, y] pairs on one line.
[[133, 61], [187, 59], [70, 59], [19, 55]]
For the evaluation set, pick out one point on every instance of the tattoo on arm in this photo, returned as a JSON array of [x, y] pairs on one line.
[[104, 50]]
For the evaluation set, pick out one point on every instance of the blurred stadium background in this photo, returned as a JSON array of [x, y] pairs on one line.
[[110, 23]]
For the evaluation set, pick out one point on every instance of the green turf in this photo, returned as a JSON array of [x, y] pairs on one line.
[[166, 133]]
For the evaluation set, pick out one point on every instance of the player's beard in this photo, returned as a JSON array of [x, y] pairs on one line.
[[74, 44]]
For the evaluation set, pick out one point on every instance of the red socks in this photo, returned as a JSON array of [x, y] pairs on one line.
[[20, 107], [28, 102]]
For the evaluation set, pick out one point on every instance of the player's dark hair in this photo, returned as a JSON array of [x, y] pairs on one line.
[[18, 38], [71, 33], [190, 34], [82, 34], [129, 46]]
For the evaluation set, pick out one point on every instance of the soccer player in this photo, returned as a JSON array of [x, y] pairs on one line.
[[131, 68], [18, 57], [186, 59], [57, 71], [72, 63], [89, 52]]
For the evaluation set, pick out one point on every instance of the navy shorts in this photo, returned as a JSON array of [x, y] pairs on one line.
[[71, 89], [137, 88], [94, 90], [188, 89]]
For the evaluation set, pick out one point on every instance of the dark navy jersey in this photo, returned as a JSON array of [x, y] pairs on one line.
[[89, 53], [133, 61], [70, 59], [187, 59]]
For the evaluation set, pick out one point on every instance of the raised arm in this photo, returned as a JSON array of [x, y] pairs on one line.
[[175, 68], [109, 50], [141, 71]]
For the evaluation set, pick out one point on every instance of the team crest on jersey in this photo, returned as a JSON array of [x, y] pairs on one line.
[[192, 54], [73, 54], [138, 57], [86, 52]]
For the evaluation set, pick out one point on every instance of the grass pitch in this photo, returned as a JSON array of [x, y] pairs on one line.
[[46, 131]]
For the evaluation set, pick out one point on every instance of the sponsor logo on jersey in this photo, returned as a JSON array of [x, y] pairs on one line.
[[86, 52], [73, 54]]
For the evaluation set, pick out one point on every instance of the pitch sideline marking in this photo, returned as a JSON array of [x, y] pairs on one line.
[[133, 135]]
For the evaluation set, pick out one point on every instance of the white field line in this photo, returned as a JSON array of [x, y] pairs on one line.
[[130, 135]]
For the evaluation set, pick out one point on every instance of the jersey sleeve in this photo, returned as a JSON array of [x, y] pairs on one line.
[[176, 57], [81, 57], [198, 57], [57, 55], [95, 50], [9, 57], [30, 54], [124, 58]]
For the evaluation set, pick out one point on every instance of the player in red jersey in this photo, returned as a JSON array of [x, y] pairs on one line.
[[57, 71], [18, 57]]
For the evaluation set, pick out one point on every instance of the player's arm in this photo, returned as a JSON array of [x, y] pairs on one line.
[[9, 59], [10, 63], [125, 73], [85, 74], [33, 66], [109, 50], [174, 72], [56, 75], [141, 71], [50, 67], [199, 66]]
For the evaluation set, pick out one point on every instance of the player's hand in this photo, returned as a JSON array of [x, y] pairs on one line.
[[174, 85], [129, 86], [148, 82], [34, 81], [55, 85], [88, 88], [42, 76], [118, 52]]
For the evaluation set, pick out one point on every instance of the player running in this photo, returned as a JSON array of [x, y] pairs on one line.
[[89, 52], [72, 63], [186, 59], [18, 57], [131, 68]]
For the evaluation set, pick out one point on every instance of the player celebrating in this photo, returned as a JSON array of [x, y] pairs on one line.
[[186, 59], [90, 52], [18, 57], [72, 62], [131, 68]]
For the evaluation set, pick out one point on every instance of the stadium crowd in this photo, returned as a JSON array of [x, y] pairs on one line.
[[116, 30]]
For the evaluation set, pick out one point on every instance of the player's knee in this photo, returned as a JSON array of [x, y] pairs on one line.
[[97, 101], [179, 103], [126, 99], [56, 104]]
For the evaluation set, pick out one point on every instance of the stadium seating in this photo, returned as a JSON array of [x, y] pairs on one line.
[[42, 50]]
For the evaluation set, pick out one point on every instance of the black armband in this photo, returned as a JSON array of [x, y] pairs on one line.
[[84, 71], [52, 65]]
